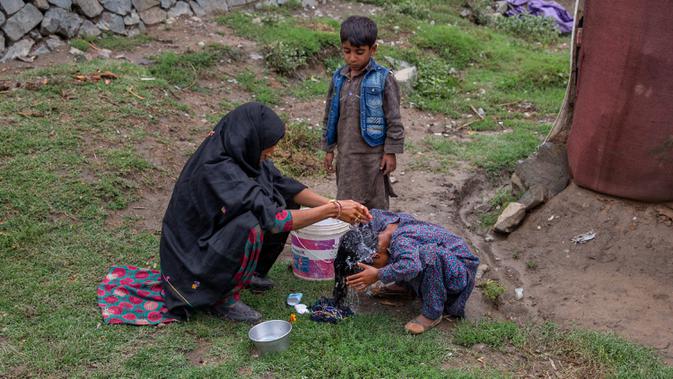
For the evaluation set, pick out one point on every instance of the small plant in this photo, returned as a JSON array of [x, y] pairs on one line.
[[298, 153], [530, 28], [516, 255], [531, 265], [114, 42], [434, 85], [283, 58], [492, 290]]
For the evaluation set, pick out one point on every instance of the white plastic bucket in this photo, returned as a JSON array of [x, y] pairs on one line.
[[315, 247]]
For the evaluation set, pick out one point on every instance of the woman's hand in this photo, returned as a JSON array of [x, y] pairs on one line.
[[353, 212], [363, 279]]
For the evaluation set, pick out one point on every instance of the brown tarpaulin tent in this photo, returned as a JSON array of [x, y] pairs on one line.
[[617, 118]]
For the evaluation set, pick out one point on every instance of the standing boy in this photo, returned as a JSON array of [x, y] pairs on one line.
[[362, 119]]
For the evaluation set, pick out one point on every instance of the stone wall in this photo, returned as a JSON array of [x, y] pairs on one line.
[[34, 27]]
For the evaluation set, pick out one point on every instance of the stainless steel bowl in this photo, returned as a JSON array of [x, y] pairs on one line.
[[270, 336]]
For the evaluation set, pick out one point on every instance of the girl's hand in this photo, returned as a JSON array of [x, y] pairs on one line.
[[353, 212], [363, 279]]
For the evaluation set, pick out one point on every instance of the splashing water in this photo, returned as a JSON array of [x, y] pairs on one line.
[[357, 245]]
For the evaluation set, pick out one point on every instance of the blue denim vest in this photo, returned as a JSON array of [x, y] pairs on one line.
[[372, 119]]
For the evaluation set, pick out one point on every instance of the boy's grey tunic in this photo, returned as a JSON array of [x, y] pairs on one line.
[[357, 164]]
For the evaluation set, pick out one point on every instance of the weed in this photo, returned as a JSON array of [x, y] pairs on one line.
[[434, 86], [516, 255], [531, 265], [298, 152], [492, 289]]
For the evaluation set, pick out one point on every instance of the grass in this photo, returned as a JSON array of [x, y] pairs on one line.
[[287, 46], [498, 202], [259, 88], [184, 70], [310, 89], [72, 154]]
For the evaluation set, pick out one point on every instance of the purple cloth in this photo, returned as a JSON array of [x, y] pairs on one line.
[[564, 21]]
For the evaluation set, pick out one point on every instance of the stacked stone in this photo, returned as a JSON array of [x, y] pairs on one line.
[[34, 27]]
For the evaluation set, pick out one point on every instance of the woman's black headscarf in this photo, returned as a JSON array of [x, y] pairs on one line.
[[222, 193]]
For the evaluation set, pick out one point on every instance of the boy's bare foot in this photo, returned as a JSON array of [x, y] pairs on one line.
[[420, 324]]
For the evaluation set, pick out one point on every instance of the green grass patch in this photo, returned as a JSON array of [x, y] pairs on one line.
[[184, 70], [455, 46], [115, 42], [496, 153], [287, 46], [258, 87], [495, 334], [310, 88]]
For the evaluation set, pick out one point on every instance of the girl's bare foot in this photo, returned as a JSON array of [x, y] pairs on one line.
[[420, 324]]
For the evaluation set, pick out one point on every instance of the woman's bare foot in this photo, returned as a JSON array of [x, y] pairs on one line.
[[420, 324]]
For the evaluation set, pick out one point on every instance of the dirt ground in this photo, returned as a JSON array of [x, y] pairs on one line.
[[620, 281]]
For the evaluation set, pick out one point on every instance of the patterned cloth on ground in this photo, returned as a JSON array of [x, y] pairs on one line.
[[132, 295]]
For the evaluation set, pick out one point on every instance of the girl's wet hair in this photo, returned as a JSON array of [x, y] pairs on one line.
[[359, 31], [357, 245]]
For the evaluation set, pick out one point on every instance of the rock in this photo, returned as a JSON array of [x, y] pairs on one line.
[[59, 21], [167, 4], [142, 5], [89, 29], [501, 7], [548, 168], [436, 129], [665, 211], [112, 22], [90, 8], [132, 19], [197, 9], [104, 53], [489, 238], [120, 7], [510, 218], [153, 15], [35, 35], [518, 293], [40, 49], [136, 30], [2, 18], [42, 5], [11, 6], [397, 64], [180, 9], [22, 22], [65, 4], [406, 78], [517, 185], [2, 42], [211, 6], [53, 42], [310, 4], [236, 3], [533, 197], [18, 50]]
